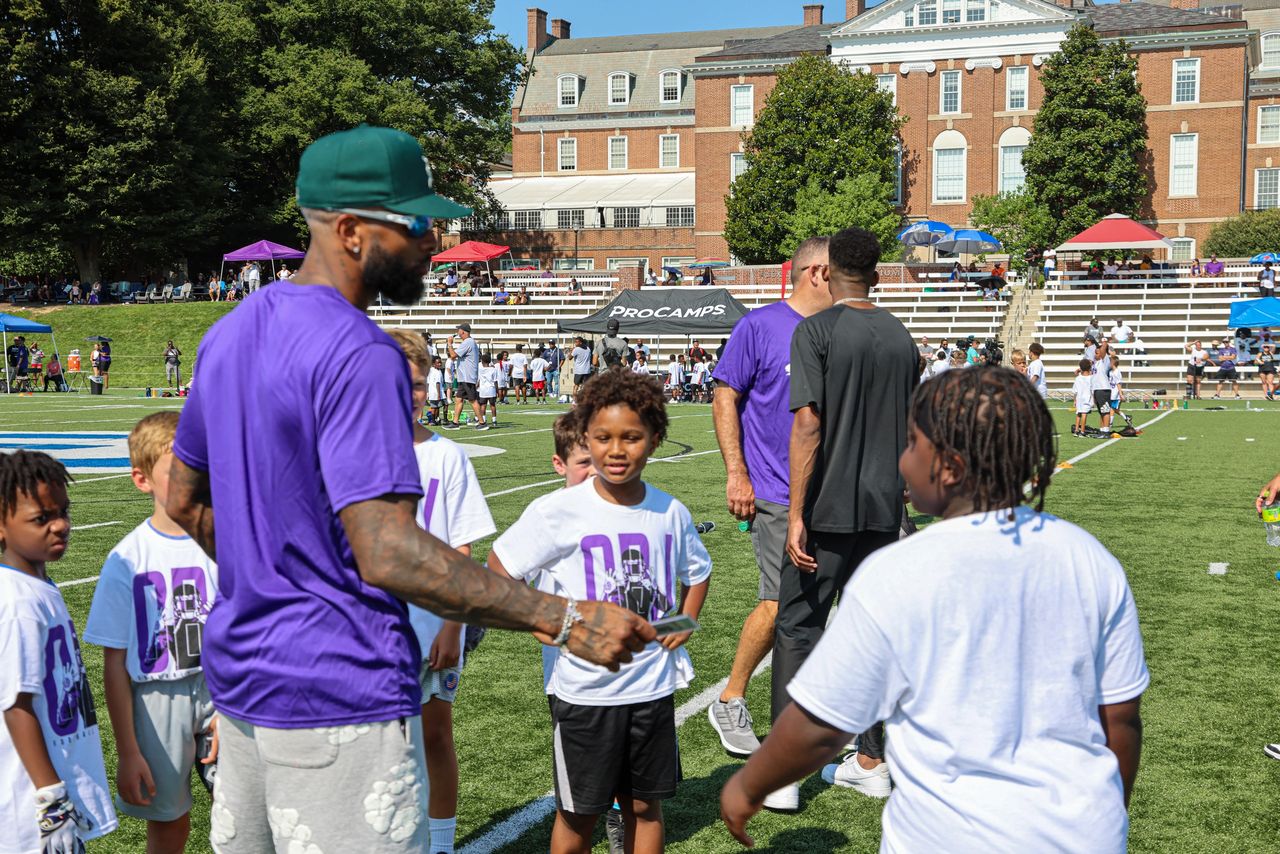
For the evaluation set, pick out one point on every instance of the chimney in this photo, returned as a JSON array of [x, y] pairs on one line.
[[813, 14], [559, 28], [854, 8], [536, 35], [1185, 4]]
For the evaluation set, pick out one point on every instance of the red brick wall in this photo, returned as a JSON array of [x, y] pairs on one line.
[[1259, 156], [593, 149], [598, 244]]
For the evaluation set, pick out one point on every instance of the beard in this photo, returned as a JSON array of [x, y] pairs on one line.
[[392, 276]]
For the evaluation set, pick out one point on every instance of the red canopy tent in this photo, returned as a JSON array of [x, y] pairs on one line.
[[1114, 233], [473, 251]]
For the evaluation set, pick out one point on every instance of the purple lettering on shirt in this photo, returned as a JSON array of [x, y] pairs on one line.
[[429, 503], [588, 546]]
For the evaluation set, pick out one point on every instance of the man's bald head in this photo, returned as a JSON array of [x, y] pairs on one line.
[[812, 250]]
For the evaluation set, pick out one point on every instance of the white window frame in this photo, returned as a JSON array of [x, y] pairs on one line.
[[613, 216], [677, 261], [1262, 50], [963, 194], [1269, 109], [526, 220], [679, 216], [1257, 188], [1004, 177], [1192, 169], [952, 7], [888, 83], [737, 165], [573, 265], [566, 221], [942, 93], [929, 7], [1177, 254], [612, 166], [1192, 62], [972, 6], [567, 148], [1010, 90], [742, 115], [662, 164], [626, 89], [662, 86], [612, 264], [560, 93]]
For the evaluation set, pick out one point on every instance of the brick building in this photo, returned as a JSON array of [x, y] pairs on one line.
[[624, 147]]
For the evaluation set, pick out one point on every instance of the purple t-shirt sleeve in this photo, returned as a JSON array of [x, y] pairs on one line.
[[737, 369], [190, 445], [364, 433]]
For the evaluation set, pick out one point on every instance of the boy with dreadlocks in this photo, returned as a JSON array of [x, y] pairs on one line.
[[1000, 645], [53, 786]]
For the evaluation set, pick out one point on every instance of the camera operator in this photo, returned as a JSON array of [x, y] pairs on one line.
[[991, 350]]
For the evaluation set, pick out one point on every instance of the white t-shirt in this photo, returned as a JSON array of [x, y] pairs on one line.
[[1120, 334], [161, 585], [1082, 389], [452, 509], [699, 373], [519, 365], [538, 369], [448, 371], [1116, 380], [639, 367], [1101, 373], [1035, 373], [675, 374], [488, 386], [40, 655], [631, 556], [435, 384], [504, 374], [986, 647], [1198, 357]]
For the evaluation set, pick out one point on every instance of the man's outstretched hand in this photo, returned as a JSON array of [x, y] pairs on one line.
[[608, 635], [1269, 493]]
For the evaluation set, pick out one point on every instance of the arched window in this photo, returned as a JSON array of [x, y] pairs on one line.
[[567, 87], [669, 88], [1270, 43], [1012, 143], [950, 167], [619, 88]]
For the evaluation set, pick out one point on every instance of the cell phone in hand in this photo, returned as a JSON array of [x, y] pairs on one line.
[[675, 624]]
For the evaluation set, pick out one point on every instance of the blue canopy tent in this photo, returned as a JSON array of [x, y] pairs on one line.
[[12, 324], [1255, 313]]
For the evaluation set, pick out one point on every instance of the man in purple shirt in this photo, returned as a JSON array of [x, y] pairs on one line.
[[753, 426], [309, 656]]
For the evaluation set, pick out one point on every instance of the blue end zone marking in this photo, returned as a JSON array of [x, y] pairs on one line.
[[117, 463], [45, 446], [112, 434]]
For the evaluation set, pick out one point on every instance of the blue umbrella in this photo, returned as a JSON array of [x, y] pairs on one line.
[[925, 233], [673, 270], [970, 241], [1264, 257]]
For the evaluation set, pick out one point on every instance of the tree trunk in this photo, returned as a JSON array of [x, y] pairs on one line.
[[88, 257]]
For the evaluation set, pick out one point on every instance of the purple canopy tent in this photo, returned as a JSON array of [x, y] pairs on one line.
[[263, 250]]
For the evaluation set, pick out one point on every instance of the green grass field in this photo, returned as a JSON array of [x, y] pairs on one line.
[[1167, 504]]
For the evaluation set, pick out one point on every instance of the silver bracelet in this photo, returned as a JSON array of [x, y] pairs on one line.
[[571, 616]]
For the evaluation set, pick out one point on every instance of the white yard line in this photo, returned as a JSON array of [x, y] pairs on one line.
[[95, 525], [1110, 442], [678, 457], [523, 488], [104, 477], [88, 580]]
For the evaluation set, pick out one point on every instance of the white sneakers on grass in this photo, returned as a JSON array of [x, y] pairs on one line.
[[873, 783], [786, 799], [732, 722]]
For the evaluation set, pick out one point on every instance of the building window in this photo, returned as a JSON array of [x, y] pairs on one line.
[[951, 11], [677, 261], [1015, 88], [568, 88], [526, 220], [573, 264], [626, 217], [1269, 124], [897, 174], [681, 217], [1266, 188], [888, 83], [619, 88], [949, 153], [927, 12], [975, 10], [669, 151], [617, 152], [575, 218], [1182, 163], [1012, 175], [742, 109], [619, 263], [568, 154], [1184, 248], [1271, 50], [737, 165], [1186, 81], [950, 92], [669, 86]]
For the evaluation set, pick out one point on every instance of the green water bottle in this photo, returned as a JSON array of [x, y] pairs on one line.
[[745, 526]]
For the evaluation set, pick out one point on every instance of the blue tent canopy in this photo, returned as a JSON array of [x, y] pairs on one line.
[[1254, 313], [13, 323]]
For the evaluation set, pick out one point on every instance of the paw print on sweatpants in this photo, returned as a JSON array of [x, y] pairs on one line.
[[394, 806], [340, 735], [285, 827], [222, 824]]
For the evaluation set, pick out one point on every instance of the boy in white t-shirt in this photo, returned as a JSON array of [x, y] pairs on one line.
[[154, 594], [538, 368], [675, 379], [487, 389], [453, 510], [1082, 391], [1116, 381], [614, 538], [699, 379], [53, 786], [999, 645], [1035, 369], [435, 390], [520, 374]]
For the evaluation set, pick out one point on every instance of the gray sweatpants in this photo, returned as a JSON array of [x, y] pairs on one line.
[[360, 787]]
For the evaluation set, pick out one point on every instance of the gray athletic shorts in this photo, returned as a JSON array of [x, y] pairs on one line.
[[769, 538], [168, 717], [359, 787], [439, 683]]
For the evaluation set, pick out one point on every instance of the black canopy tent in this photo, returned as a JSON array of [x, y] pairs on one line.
[[664, 311]]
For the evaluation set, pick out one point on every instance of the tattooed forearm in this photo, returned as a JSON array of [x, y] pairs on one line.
[[190, 504]]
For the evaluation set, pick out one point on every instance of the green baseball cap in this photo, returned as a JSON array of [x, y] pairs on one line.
[[371, 167]]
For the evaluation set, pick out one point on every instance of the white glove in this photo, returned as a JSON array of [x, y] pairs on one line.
[[59, 821]]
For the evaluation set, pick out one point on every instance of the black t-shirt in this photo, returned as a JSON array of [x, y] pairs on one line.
[[858, 368]]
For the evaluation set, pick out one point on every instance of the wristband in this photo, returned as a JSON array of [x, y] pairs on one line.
[[571, 616]]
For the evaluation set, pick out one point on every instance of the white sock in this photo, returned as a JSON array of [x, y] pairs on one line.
[[442, 832]]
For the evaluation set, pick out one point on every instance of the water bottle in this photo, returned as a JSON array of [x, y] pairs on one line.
[[464, 419], [704, 527], [745, 526], [1271, 518]]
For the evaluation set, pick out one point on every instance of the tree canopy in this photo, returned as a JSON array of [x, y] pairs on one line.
[[861, 200], [1016, 219], [820, 125], [1246, 235]]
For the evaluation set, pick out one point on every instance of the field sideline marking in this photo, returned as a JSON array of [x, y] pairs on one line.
[[104, 477], [522, 488], [94, 525], [73, 583], [1108, 443]]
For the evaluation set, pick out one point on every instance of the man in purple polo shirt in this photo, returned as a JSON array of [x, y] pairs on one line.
[[309, 656], [753, 426]]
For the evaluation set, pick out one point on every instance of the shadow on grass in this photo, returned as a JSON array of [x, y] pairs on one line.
[[804, 839]]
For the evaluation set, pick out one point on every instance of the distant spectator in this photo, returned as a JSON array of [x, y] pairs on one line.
[[95, 293], [651, 278], [1214, 267], [1195, 271], [926, 349], [284, 273], [708, 278], [973, 266], [464, 288], [17, 356], [1145, 263], [104, 364], [76, 294], [1120, 333], [696, 351], [523, 296], [172, 365], [724, 342], [1111, 269], [253, 278], [53, 375], [1196, 358], [555, 357], [1225, 359], [574, 287], [1095, 269], [1050, 263], [997, 270], [957, 272], [500, 296], [1267, 281], [451, 279], [1093, 330], [36, 361], [581, 362]]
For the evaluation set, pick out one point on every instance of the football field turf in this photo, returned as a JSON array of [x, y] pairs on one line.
[[1167, 504]]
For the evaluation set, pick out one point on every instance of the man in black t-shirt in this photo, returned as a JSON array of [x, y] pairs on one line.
[[853, 371]]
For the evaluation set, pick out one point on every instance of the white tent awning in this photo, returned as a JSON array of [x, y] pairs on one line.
[[590, 191]]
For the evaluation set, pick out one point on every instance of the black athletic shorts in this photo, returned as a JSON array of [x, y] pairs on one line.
[[1195, 370], [579, 379], [467, 391], [1228, 375], [605, 751], [1102, 399], [518, 382], [1266, 369]]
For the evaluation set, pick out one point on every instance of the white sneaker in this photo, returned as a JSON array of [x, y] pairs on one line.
[[849, 774], [786, 799]]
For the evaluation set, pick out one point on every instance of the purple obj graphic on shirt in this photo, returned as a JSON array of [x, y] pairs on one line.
[[67, 696], [429, 503], [174, 633], [630, 581]]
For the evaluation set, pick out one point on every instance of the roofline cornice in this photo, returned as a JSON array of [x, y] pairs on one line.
[[737, 66], [1150, 41], [1046, 25]]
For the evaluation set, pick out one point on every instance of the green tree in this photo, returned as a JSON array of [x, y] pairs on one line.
[[1016, 219], [861, 200], [1088, 153], [1245, 235], [820, 125]]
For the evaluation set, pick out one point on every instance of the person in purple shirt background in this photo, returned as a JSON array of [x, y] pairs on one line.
[[752, 415], [309, 654]]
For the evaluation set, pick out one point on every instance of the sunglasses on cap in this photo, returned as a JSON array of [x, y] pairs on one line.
[[417, 226]]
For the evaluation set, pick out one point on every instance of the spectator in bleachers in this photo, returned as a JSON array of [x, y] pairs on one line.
[[957, 273], [1120, 333], [574, 287], [1195, 271], [1050, 263], [1145, 263], [1214, 267], [1111, 269], [1266, 281], [1096, 269], [1093, 330], [1138, 351], [500, 296], [651, 278], [451, 279]]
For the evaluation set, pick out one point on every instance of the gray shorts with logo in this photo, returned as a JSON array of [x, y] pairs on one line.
[[769, 538], [439, 683], [168, 718], [358, 787]]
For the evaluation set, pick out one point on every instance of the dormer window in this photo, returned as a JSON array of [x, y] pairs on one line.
[[567, 87], [1271, 50], [669, 86], [619, 89]]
